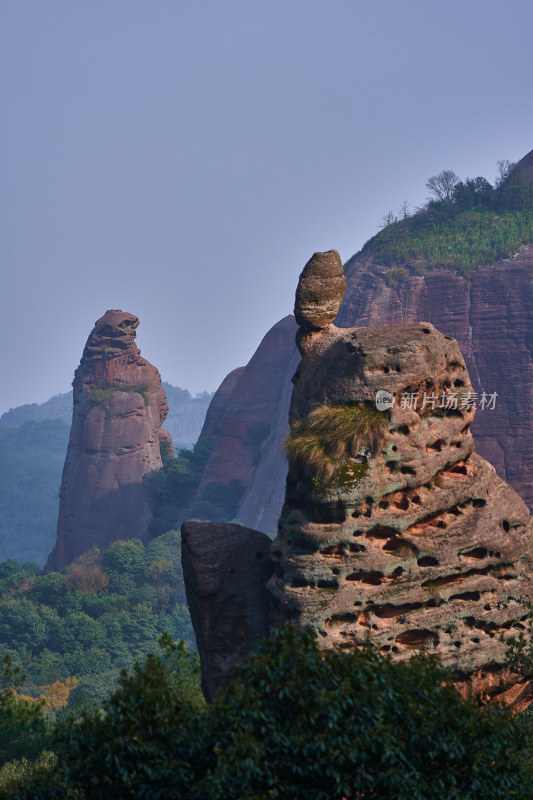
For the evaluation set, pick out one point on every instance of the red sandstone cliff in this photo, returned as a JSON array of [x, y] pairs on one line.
[[490, 314], [119, 407]]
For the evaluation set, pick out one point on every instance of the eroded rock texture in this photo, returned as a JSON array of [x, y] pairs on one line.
[[414, 540], [247, 420], [320, 290], [490, 315], [119, 407], [226, 568]]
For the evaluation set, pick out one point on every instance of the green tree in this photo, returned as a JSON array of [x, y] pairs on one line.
[[295, 723], [23, 729]]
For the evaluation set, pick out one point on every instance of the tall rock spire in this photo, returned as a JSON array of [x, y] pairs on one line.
[[115, 438]]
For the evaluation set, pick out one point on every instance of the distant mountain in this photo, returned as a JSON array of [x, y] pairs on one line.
[[57, 407], [185, 418], [33, 444]]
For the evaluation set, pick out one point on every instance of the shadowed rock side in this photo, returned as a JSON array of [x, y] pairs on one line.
[[400, 530], [225, 568], [119, 406], [247, 431]]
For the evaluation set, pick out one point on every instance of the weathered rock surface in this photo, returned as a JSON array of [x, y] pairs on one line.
[[320, 291], [425, 546], [490, 315], [248, 419], [226, 568], [119, 407]]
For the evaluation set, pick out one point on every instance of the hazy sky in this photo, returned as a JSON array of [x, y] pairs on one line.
[[182, 159]]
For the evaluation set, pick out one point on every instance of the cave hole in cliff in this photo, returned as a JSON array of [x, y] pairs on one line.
[[383, 503], [475, 552], [402, 503], [454, 412], [373, 578], [336, 620], [299, 583], [418, 637], [436, 446], [336, 550], [327, 513], [470, 596], [479, 502], [405, 470], [394, 448], [303, 545], [390, 611], [397, 573], [475, 640], [327, 583], [428, 561], [392, 467], [506, 525], [416, 499], [381, 533], [399, 547], [425, 330], [458, 469]]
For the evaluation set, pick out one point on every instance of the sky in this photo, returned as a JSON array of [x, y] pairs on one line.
[[183, 159]]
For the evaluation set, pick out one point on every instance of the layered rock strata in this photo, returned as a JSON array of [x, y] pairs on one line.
[[115, 438], [413, 538], [226, 568], [489, 314]]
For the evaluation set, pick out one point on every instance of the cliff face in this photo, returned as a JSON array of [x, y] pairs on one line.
[[489, 315], [247, 420], [119, 407], [392, 525], [402, 531]]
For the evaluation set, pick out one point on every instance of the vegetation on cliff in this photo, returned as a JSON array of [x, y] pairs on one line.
[[321, 444], [296, 722], [463, 225], [173, 489]]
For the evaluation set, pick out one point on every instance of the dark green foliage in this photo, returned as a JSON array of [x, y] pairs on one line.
[[23, 729], [219, 502], [33, 443], [474, 224], [31, 462], [102, 396], [295, 724], [105, 612], [520, 648], [173, 488]]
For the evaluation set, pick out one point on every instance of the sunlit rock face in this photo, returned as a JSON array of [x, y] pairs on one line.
[[119, 407], [408, 536]]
